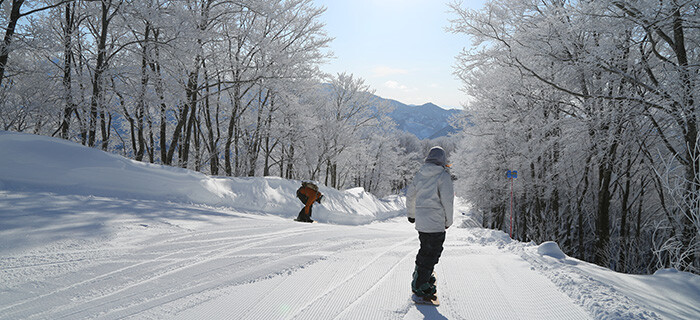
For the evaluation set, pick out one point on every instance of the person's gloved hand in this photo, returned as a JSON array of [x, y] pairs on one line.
[[411, 220], [319, 199]]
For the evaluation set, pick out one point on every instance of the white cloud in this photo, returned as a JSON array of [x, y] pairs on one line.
[[395, 85], [383, 71]]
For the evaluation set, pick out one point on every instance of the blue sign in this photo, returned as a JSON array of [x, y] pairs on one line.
[[512, 174]]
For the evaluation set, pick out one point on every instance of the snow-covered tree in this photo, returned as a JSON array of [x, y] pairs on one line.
[[585, 99], [226, 88]]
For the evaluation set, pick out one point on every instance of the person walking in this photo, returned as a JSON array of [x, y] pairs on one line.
[[429, 202]]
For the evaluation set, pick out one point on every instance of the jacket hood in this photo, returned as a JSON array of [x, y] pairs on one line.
[[436, 156]]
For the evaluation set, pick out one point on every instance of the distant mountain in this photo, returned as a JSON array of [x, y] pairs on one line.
[[427, 121]]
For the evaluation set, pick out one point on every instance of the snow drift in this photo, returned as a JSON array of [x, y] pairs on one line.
[[38, 163]]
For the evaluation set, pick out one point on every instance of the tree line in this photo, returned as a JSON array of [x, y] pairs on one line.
[[595, 103], [228, 88]]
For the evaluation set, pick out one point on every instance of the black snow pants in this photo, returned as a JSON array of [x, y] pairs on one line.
[[428, 255], [302, 215]]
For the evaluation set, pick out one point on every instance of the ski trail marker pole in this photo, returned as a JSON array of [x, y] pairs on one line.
[[511, 209], [511, 175]]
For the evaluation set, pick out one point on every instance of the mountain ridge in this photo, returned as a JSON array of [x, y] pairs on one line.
[[426, 121]]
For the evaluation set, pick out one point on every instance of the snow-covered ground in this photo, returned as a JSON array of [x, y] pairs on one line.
[[85, 234]]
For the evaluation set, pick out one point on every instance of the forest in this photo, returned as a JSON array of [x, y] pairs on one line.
[[230, 88], [595, 104]]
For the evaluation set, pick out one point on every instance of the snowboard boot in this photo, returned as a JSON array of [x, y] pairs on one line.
[[426, 291], [307, 218], [432, 281], [303, 217]]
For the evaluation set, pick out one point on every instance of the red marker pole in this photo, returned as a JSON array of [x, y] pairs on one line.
[[511, 208], [511, 175]]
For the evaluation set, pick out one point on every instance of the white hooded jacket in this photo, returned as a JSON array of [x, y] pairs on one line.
[[430, 197]]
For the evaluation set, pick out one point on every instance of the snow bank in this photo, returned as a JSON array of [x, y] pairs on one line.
[[37, 163], [551, 248], [606, 294]]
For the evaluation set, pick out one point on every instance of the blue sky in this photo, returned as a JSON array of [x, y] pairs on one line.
[[400, 47]]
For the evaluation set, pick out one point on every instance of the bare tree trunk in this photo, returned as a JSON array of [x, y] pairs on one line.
[[96, 101], [268, 147], [152, 146], [689, 231], [211, 141], [231, 129], [177, 132], [9, 33], [70, 106], [192, 95], [105, 128], [163, 133], [605, 173], [197, 145], [160, 91], [289, 173], [623, 218], [255, 142], [141, 103], [334, 175]]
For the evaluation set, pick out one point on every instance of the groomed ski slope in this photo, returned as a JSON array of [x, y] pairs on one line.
[[221, 264], [68, 254], [370, 280]]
